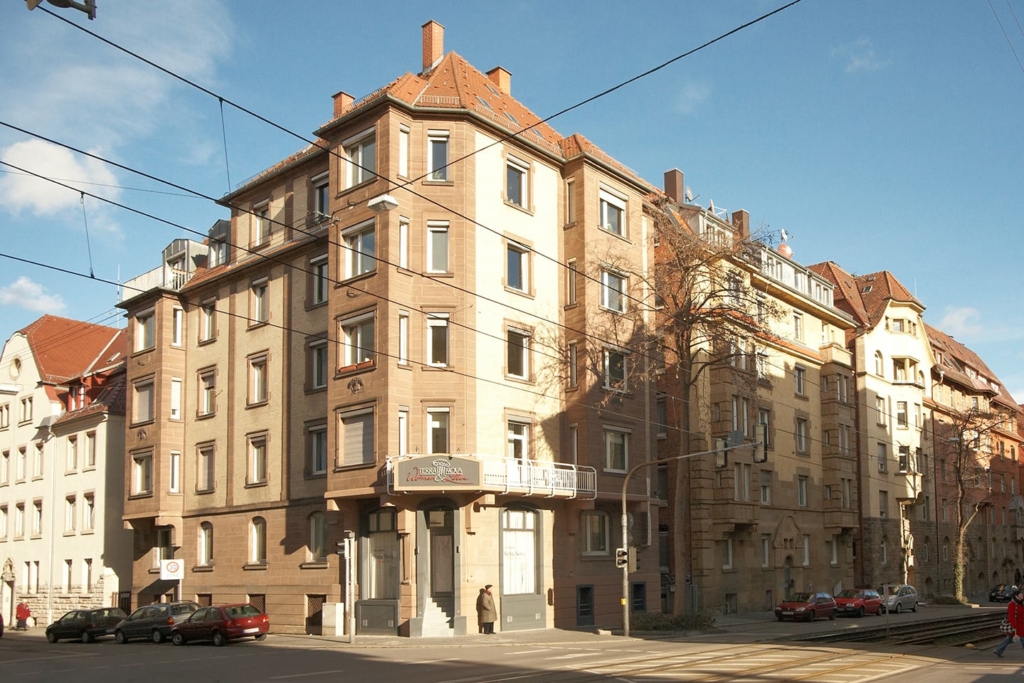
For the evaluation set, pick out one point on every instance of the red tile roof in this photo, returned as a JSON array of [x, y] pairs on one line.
[[64, 349], [865, 297], [112, 399]]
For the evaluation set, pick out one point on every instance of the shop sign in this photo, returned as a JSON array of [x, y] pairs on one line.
[[438, 472]]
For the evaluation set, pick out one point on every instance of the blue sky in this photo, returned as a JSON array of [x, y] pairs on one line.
[[878, 134]]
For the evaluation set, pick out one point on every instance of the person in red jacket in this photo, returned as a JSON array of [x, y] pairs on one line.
[[1014, 615], [22, 613]]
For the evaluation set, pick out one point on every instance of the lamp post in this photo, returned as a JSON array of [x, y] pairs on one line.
[[734, 441]]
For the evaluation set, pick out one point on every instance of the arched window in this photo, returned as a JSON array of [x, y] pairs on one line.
[[258, 541], [317, 538], [206, 543], [879, 364]]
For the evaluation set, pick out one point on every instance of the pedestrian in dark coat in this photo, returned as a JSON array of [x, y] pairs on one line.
[[1014, 615], [485, 611]]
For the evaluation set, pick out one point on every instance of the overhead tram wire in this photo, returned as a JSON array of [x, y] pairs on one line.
[[405, 186]]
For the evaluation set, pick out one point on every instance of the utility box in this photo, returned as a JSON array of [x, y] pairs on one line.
[[334, 619]]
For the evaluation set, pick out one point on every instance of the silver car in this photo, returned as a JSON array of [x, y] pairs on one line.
[[898, 598]]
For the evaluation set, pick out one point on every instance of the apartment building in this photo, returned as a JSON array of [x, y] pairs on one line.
[[754, 532], [975, 424], [892, 358], [416, 335], [62, 541]]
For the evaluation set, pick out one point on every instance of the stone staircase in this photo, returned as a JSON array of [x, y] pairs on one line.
[[438, 618]]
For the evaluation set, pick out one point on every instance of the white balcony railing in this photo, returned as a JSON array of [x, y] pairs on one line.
[[512, 476]]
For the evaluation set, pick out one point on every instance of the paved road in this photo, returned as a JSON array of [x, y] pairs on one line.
[[745, 650]]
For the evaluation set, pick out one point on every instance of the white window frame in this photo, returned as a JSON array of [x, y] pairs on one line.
[[595, 526], [359, 339], [359, 249], [145, 333], [256, 470], [319, 364], [319, 270], [261, 227], [802, 435], [403, 242], [175, 406], [437, 169], [518, 254], [206, 468], [360, 157], [613, 382], [438, 241], [403, 337], [438, 321], [521, 169], [611, 434], [367, 422], [318, 449], [435, 425], [146, 387], [800, 379], [612, 206], [798, 326], [613, 291], [260, 301], [573, 360], [208, 328], [727, 553], [177, 326], [207, 392], [571, 295], [518, 350], [403, 150], [142, 474], [205, 542], [259, 376], [403, 431], [174, 478], [807, 551], [258, 541], [518, 431], [801, 491]]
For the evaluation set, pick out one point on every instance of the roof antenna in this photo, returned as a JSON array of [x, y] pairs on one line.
[[88, 245]]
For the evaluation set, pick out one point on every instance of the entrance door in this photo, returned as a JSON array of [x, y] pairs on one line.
[[442, 553]]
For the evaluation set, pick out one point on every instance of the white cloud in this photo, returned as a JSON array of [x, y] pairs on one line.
[[31, 296], [860, 56], [23, 192], [691, 97], [962, 323]]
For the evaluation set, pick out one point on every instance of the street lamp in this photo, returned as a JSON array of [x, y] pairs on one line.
[[734, 441], [87, 6]]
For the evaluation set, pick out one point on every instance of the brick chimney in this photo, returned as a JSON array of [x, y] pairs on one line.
[[342, 101], [501, 78], [674, 185], [741, 221], [433, 44]]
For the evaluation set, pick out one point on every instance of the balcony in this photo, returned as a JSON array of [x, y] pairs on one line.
[[738, 513], [840, 519], [488, 474], [163, 276]]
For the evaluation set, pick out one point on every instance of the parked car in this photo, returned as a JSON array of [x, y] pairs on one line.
[[1003, 594], [1, 626], [222, 624], [898, 598], [806, 606], [85, 624], [154, 621], [858, 602]]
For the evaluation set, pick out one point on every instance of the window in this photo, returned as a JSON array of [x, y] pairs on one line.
[[766, 487], [594, 527], [207, 392], [661, 416], [901, 414], [904, 460], [70, 514], [403, 337], [360, 249], [518, 354], [807, 550], [218, 253], [727, 553], [205, 469], [518, 440], [883, 457], [880, 410], [205, 544], [403, 430], [37, 461], [614, 370], [208, 322], [175, 412], [798, 326], [437, 339], [258, 390], [570, 202], [261, 225], [403, 151], [26, 409], [573, 361], [177, 326], [879, 364], [437, 246], [71, 464], [801, 435], [318, 364], [616, 450], [21, 465], [5, 416], [437, 430], [143, 408], [258, 541], [358, 336], [761, 360], [145, 333], [257, 469], [5, 467], [519, 541], [766, 550], [318, 280], [741, 481], [883, 503], [260, 302], [317, 537], [19, 520], [321, 197], [801, 491], [517, 274], [142, 474], [361, 152], [764, 416], [317, 450], [174, 473], [3, 522], [613, 291], [612, 212], [403, 242], [799, 373], [355, 437], [437, 154], [516, 181], [570, 282]]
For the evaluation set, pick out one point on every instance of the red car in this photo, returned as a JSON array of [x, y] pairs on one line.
[[806, 607], [859, 601], [222, 624]]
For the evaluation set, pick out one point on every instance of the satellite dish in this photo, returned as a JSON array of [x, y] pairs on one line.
[[688, 194], [785, 235], [711, 205]]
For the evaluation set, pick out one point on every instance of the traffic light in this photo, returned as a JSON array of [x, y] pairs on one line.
[[621, 557], [760, 442], [634, 561]]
